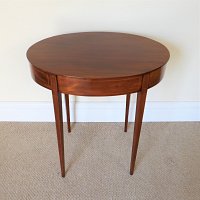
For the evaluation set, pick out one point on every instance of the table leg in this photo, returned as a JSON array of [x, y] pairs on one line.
[[68, 112], [141, 98], [57, 102], [127, 112]]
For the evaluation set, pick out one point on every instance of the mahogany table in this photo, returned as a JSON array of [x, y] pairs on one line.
[[98, 64]]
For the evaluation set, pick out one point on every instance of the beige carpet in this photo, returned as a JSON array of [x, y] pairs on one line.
[[97, 162]]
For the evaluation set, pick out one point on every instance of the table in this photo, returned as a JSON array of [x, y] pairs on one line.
[[98, 64]]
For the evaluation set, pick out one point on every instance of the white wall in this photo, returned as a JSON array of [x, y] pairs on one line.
[[172, 22]]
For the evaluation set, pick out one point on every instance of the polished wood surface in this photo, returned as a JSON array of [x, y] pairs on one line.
[[98, 64], [97, 55]]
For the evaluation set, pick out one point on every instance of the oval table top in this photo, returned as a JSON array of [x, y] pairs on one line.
[[97, 55]]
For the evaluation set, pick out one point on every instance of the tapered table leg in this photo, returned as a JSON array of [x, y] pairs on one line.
[[141, 98], [57, 101], [127, 112], [68, 112]]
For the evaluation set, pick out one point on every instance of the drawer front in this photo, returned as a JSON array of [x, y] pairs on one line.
[[102, 87]]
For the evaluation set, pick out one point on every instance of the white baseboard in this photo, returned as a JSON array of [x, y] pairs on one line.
[[90, 111]]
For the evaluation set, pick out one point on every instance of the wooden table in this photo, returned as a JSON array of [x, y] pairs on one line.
[[98, 64]]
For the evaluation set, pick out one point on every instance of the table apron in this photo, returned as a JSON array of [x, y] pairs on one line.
[[96, 87]]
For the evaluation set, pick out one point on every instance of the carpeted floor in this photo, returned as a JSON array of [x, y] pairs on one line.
[[97, 162]]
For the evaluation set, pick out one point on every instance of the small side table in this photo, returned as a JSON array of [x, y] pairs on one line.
[[98, 64]]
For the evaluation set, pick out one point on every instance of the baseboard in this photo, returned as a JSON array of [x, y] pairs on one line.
[[90, 111]]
